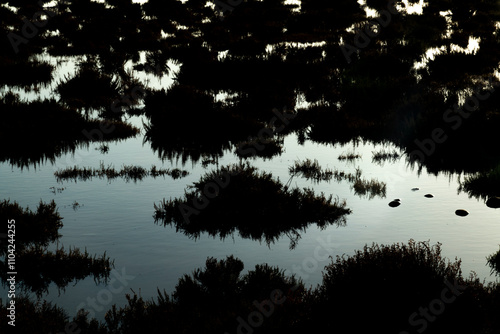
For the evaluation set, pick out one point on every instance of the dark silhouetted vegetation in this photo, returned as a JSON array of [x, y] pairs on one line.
[[37, 266], [482, 185], [382, 156], [33, 228], [381, 287], [128, 173], [494, 263], [441, 112], [63, 130], [351, 156], [311, 170], [239, 198], [377, 289]]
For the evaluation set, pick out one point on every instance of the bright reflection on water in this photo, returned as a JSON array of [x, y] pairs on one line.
[[116, 217]]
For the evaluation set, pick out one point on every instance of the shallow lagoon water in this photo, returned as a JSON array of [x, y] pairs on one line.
[[116, 217]]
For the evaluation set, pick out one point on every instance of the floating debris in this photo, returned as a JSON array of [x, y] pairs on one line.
[[415, 189], [429, 195], [76, 205], [58, 190]]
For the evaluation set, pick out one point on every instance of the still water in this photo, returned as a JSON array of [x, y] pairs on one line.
[[116, 217]]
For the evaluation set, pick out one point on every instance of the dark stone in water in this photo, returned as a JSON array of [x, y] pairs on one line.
[[429, 195], [415, 189], [493, 202], [394, 204], [461, 213]]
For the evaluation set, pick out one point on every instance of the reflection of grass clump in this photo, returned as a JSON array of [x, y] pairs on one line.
[[494, 263], [382, 156], [37, 267], [482, 185], [39, 119], [134, 173], [252, 203], [88, 88], [31, 73], [256, 148], [32, 228], [370, 188], [349, 156], [311, 170]]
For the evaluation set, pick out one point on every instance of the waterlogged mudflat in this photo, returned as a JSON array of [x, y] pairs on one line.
[[131, 107], [117, 217]]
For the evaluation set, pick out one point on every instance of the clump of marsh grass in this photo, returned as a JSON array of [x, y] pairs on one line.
[[103, 148], [89, 88], [380, 157], [394, 282], [482, 185], [39, 227], [254, 148], [349, 156], [311, 170], [37, 267], [407, 275], [209, 161], [42, 119], [239, 198], [494, 263], [128, 173], [59, 267], [370, 188]]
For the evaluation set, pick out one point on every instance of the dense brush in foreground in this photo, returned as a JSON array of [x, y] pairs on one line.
[[400, 288]]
